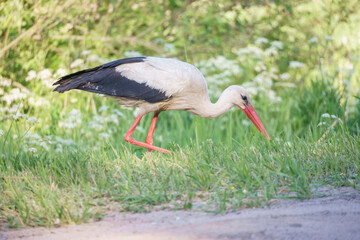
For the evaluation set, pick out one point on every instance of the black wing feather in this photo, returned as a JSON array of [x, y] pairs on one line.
[[105, 79]]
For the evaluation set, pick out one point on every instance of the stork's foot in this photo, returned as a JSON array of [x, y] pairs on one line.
[[150, 147], [149, 141]]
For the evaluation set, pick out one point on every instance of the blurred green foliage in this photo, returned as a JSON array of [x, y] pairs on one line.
[[62, 157], [323, 35]]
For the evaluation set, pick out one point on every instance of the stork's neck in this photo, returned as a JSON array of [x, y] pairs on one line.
[[212, 110]]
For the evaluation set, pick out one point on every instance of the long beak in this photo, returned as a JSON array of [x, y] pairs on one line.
[[251, 113]]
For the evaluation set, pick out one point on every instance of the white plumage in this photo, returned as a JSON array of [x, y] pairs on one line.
[[158, 84]]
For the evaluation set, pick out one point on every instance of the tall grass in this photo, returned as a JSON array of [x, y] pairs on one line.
[[63, 158], [217, 164]]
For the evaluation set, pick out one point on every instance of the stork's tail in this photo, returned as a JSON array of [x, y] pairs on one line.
[[78, 79], [74, 80]]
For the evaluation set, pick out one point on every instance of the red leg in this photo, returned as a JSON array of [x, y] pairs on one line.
[[149, 138], [131, 140]]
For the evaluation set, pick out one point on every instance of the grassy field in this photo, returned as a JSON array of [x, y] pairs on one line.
[[63, 158]]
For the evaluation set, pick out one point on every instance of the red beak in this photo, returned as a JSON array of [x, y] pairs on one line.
[[251, 113]]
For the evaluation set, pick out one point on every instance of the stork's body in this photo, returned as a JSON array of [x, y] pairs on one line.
[[155, 85]]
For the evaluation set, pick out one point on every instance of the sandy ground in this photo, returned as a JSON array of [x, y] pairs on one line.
[[336, 216]]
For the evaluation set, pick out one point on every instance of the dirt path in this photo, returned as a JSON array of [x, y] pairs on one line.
[[336, 216]]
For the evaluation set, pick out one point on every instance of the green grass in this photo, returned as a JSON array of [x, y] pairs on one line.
[[75, 187], [219, 162], [73, 164]]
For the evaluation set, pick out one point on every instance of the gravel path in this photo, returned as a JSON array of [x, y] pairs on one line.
[[336, 216]]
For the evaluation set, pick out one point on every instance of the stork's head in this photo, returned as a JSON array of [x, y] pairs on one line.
[[241, 99]]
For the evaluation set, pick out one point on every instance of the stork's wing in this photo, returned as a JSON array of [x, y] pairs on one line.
[[106, 79]]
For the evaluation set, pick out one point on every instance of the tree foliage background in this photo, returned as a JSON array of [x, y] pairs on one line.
[[62, 157]]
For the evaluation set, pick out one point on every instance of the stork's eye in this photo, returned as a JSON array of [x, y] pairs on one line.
[[245, 99]]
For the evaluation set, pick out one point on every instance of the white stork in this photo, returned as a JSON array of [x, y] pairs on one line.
[[158, 84]]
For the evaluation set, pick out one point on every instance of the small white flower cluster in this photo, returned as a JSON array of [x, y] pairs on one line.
[[18, 116], [74, 119], [34, 143], [296, 64], [38, 101], [9, 111], [4, 82], [77, 63], [262, 62], [130, 54], [14, 95], [169, 48], [45, 76], [328, 116], [220, 70]]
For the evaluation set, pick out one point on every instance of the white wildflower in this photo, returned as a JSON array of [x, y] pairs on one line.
[[132, 54], [32, 149], [1, 132], [321, 123], [325, 115], [117, 112], [45, 74], [59, 150], [135, 112], [314, 40], [112, 118], [277, 44], [94, 58], [251, 88], [140, 129], [168, 47], [245, 122], [271, 51], [285, 76], [77, 63], [31, 75], [263, 79], [256, 52], [159, 138], [260, 67], [337, 118], [349, 66], [296, 64], [67, 142], [4, 82], [18, 115], [32, 120], [344, 40], [158, 40], [44, 145], [103, 108], [261, 40], [86, 52], [328, 38], [38, 102], [253, 51], [272, 96], [60, 72], [104, 135], [74, 119], [30, 135], [13, 95]]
